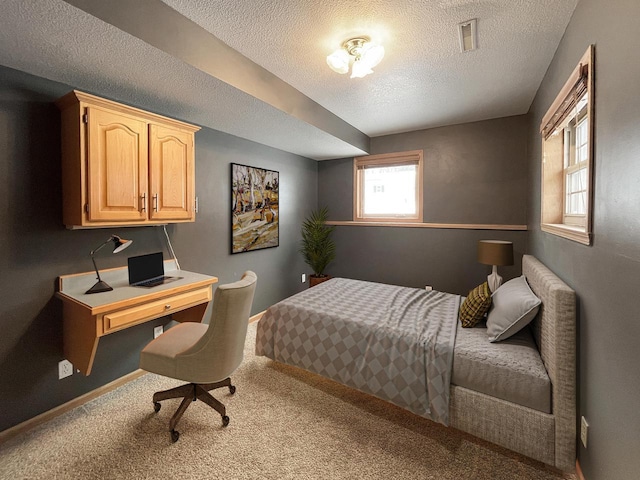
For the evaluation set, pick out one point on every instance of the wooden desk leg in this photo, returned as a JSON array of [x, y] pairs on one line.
[[192, 314], [80, 336]]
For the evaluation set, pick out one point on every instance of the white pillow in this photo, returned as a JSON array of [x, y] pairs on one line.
[[513, 306]]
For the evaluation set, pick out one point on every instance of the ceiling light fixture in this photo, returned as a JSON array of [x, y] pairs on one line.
[[365, 54]]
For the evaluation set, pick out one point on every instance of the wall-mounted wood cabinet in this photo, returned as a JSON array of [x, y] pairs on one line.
[[124, 166]]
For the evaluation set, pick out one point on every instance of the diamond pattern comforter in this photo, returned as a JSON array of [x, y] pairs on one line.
[[393, 342]]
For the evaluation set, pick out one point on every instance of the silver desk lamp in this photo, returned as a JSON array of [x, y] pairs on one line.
[[119, 244]]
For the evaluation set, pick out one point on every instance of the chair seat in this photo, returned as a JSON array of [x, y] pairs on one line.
[[159, 356]]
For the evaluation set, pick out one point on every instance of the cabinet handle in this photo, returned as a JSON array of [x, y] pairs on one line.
[[167, 307], [144, 202], [155, 202]]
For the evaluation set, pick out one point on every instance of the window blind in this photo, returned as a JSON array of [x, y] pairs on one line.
[[568, 104]]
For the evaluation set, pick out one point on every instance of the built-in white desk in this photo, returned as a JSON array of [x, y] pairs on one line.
[[86, 318]]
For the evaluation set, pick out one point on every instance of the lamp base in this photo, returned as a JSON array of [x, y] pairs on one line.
[[99, 287], [494, 280]]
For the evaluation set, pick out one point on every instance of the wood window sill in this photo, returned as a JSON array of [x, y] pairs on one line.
[[576, 234], [460, 226]]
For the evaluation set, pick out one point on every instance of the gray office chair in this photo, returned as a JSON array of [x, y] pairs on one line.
[[205, 355]]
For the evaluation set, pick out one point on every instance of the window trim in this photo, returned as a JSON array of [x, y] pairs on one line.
[[576, 219], [552, 213], [388, 159]]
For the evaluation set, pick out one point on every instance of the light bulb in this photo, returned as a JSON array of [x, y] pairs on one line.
[[371, 54], [359, 69], [338, 61]]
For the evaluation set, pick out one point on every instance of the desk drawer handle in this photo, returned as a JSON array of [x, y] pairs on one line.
[[167, 307]]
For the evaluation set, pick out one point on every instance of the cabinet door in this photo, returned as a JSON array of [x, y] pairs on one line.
[[171, 173], [117, 151]]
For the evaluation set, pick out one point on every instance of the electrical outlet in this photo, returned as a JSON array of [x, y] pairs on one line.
[[428, 288], [65, 369], [304, 278], [584, 430], [157, 331]]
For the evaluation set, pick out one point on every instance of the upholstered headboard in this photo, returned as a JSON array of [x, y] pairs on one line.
[[555, 332]]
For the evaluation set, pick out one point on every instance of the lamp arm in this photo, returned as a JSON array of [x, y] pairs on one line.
[[110, 239], [96, 268], [93, 252]]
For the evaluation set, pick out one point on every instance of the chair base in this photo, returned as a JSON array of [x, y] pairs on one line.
[[190, 393]]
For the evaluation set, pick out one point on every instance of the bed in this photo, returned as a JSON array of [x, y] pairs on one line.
[[518, 393]]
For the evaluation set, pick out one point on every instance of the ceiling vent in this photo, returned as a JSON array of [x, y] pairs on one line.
[[467, 31]]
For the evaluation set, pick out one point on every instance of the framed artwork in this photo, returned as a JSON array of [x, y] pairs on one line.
[[254, 208]]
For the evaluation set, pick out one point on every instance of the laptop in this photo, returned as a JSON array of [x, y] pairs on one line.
[[148, 271]]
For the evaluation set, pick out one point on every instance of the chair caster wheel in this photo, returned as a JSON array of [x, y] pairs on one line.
[[232, 389], [225, 421], [156, 407], [175, 435]]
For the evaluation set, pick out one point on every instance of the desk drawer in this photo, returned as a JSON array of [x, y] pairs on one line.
[[159, 308]]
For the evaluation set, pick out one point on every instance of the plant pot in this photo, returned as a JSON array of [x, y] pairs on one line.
[[315, 280]]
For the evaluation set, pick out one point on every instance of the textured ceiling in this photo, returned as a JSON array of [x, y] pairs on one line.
[[423, 81]]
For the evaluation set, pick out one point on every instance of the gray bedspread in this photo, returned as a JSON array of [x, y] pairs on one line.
[[393, 342]]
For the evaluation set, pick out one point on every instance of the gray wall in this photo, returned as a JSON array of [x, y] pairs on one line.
[[606, 275], [35, 248], [204, 246], [473, 173]]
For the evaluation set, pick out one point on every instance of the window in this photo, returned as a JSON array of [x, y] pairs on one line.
[[567, 157], [575, 171], [388, 187]]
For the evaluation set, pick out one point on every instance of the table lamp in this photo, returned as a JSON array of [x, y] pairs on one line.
[[495, 252], [119, 244]]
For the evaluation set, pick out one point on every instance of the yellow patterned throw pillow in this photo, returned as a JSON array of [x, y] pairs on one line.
[[475, 306]]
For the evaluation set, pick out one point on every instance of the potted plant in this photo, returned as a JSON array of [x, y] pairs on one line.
[[317, 247]]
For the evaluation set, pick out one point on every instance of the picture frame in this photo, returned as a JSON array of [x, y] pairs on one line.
[[255, 208]]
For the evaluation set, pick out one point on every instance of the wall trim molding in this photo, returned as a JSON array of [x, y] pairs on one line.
[[70, 405], [458, 226]]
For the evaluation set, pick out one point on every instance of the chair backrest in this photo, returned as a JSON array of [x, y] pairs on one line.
[[220, 350]]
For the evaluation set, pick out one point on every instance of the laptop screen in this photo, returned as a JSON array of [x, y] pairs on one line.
[[145, 267]]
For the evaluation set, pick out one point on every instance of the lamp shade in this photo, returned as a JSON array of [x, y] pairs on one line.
[[120, 244], [360, 70], [495, 252], [338, 61], [371, 54]]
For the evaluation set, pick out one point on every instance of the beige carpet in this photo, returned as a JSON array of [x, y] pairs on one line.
[[285, 424]]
